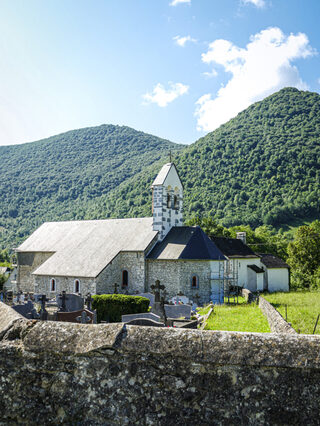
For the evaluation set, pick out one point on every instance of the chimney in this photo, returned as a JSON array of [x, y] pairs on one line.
[[242, 236]]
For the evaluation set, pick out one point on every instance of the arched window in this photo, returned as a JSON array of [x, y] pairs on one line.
[[168, 201], [52, 284], [76, 286], [194, 281], [176, 202], [125, 278]]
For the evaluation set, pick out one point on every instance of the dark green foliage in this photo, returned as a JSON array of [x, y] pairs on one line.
[[304, 257], [110, 307], [260, 168], [4, 256], [3, 279], [61, 177]]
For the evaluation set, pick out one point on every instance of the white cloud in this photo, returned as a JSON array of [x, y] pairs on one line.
[[210, 74], [257, 3], [258, 70], [176, 2], [162, 96], [181, 41]]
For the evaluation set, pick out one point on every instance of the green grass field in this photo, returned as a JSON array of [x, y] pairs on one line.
[[241, 317], [303, 308]]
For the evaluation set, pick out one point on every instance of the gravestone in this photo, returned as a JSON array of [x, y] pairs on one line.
[[157, 307], [178, 311], [149, 296], [27, 310], [147, 315], [43, 312], [84, 318], [184, 299], [145, 322], [69, 302], [89, 301], [74, 315]]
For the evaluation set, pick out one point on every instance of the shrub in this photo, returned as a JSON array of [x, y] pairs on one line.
[[110, 307]]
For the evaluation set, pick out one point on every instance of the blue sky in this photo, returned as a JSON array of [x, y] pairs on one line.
[[174, 68]]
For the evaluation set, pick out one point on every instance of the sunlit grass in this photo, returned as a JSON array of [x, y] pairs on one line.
[[303, 308], [241, 317]]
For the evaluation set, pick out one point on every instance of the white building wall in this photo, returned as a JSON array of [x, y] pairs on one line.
[[242, 269], [278, 279]]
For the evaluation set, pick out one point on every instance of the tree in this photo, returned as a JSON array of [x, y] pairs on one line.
[[304, 256], [209, 225]]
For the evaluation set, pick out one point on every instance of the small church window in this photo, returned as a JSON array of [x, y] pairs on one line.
[[168, 200], [176, 202], [125, 278], [76, 286], [194, 281], [52, 284]]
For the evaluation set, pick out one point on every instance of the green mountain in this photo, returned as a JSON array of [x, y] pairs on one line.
[[262, 167], [56, 178]]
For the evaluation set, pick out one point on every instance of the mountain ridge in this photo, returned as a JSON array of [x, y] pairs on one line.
[[261, 167]]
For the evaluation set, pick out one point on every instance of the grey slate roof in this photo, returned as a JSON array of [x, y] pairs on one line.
[[85, 248], [161, 176], [233, 247], [256, 269], [271, 261], [186, 242]]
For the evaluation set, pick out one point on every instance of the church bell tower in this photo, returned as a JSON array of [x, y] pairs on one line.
[[167, 200]]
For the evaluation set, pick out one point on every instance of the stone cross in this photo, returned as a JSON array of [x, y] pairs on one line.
[[83, 318], [18, 297], [88, 301], [43, 313], [63, 298], [156, 290], [115, 288]]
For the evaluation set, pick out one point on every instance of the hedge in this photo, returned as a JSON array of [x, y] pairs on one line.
[[110, 307]]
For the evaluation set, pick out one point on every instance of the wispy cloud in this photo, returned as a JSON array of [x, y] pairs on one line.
[[258, 3], [261, 68], [176, 2], [181, 41], [162, 96], [210, 74]]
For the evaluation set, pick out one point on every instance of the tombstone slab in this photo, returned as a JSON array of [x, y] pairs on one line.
[[178, 311], [73, 302], [147, 315], [149, 296], [72, 316], [145, 322]]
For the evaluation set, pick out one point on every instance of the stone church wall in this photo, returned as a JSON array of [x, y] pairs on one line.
[[27, 263], [63, 373], [42, 285], [134, 263], [176, 275]]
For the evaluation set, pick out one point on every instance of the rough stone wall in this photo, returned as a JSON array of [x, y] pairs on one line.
[[176, 276], [42, 285], [27, 263], [62, 373], [134, 263], [276, 322]]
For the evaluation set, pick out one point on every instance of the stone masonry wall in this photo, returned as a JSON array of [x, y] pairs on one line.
[[111, 374], [29, 262], [42, 285], [276, 322], [134, 263], [176, 276]]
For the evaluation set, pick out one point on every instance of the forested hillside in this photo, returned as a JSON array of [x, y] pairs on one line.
[[55, 178], [262, 167]]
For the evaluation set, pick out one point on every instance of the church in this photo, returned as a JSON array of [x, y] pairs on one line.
[[91, 256], [97, 256]]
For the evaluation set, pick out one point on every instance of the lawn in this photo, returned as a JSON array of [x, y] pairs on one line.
[[303, 308], [242, 317]]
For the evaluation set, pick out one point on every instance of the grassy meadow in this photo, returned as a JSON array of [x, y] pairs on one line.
[[303, 308], [238, 317]]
